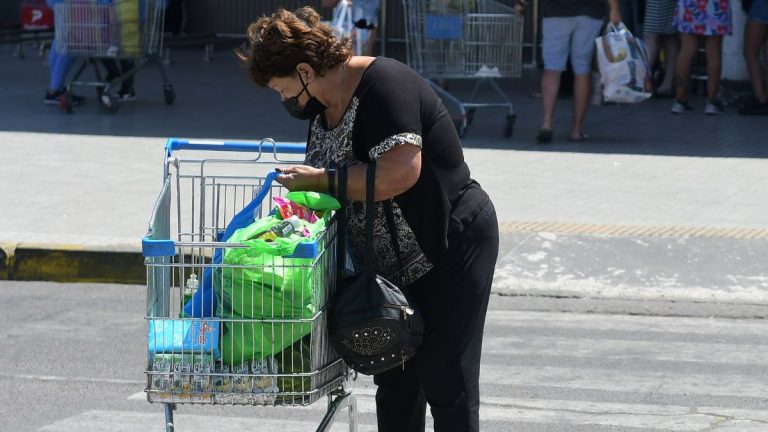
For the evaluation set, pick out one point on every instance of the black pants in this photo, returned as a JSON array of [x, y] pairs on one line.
[[115, 70], [453, 299]]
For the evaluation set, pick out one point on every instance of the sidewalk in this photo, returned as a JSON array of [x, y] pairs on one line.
[[83, 184]]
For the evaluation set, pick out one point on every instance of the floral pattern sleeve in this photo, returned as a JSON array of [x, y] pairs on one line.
[[392, 141]]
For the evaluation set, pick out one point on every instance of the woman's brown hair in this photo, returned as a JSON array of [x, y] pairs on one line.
[[276, 44]]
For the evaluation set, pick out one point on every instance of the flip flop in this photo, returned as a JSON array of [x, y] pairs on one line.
[[580, 138], [544, 136]]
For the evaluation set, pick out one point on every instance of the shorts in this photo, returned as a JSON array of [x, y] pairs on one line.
[[562, 36], [759, 11], [367, 10]]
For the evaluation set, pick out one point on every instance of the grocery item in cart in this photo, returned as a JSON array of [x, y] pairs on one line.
[[262, 286], [179, 336], [127, 12]]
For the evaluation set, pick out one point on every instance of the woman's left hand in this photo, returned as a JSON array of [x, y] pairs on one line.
[[303, 178]]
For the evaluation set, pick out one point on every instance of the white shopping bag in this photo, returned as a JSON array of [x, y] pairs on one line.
[[623, 62]]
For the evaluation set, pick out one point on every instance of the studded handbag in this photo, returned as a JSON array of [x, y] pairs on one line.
[[371, 323]]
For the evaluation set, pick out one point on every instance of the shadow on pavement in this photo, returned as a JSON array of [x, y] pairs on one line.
[[215, 100]]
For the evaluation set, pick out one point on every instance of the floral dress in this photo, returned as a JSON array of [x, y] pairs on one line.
[[704, 17]]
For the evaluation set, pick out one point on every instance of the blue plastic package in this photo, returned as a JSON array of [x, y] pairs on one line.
[[177, 336]]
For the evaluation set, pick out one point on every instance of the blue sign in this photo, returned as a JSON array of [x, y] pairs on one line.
[[446, 27]]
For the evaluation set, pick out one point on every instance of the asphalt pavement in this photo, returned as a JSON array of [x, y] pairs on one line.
[[73, 359]]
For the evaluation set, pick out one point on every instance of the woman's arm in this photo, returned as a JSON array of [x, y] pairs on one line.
[[397, 170]]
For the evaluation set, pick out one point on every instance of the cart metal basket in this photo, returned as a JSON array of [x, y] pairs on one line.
[[291, 361]]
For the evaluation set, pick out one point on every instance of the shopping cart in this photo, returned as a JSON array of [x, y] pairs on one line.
[[209, 189], [465, 39], [113, 30]]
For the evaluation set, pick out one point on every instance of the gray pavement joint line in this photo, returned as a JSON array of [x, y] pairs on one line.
[[634, 230], [53, 378]]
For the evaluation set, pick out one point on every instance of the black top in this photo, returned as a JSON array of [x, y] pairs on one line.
[[570, 8], [393, 106]]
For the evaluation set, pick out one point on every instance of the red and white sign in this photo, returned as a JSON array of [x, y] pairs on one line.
[[36, 15]]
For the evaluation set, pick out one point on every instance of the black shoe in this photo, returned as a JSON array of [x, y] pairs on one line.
[[754, 108], [544, 136], [55, 98]]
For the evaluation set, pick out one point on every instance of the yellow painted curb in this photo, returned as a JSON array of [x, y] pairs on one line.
[[634, 230], [76, 265], [3, 265]]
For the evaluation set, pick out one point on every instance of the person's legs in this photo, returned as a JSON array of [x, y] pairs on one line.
[[651, 41], [400, 403], [688, 47], [582, 84], [127, 86], [555, 43], [714, 50], [671, 50], [582, 49], [550, 83], [59, 67], [453, 300], [755, 37]]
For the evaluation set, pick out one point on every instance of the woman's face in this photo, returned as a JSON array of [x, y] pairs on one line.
[[288, 87]]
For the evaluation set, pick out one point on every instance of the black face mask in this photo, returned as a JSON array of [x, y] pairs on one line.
[[312, 109]]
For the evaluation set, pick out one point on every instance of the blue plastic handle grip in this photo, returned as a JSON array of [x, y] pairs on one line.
[[268, 146]]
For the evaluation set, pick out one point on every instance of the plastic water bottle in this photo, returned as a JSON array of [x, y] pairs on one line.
[[190, 288]]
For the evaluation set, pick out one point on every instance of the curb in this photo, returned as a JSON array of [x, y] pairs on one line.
[[57, 263], [3, 265]]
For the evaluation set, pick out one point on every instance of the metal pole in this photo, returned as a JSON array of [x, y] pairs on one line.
[[535, 34], [383, 28]]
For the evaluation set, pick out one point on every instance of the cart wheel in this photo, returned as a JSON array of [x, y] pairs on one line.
[[470, 116], [109, 102], [510, 126], [169, 94], [65, 102]]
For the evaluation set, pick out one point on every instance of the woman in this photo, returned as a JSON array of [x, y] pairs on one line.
[[659, 26], [59, 65], [756, 39], [362, 109], [695, 19]]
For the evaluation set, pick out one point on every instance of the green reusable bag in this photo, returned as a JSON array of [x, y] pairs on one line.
[[265, 285]]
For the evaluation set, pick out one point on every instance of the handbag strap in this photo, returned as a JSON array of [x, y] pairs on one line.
[[370, 189], [341, 223], [370, 209]]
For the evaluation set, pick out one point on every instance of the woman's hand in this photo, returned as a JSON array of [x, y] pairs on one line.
[[303, 178]]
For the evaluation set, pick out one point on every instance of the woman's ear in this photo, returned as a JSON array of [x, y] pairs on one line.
[[306, 72]]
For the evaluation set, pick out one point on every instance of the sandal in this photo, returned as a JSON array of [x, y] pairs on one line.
[[578, 139], [544, 136]]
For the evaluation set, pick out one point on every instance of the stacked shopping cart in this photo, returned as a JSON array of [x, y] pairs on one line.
[[477, 40], [111, 30]]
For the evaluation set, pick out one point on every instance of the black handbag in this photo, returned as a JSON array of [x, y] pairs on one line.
[[371, 323]]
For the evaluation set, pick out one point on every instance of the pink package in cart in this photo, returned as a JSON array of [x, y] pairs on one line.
[[289, 208]]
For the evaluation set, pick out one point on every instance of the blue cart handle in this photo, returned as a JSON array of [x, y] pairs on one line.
[[265, 145]]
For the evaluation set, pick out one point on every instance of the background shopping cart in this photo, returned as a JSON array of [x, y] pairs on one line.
[[113, 30], [209, 189], [479, 40]]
